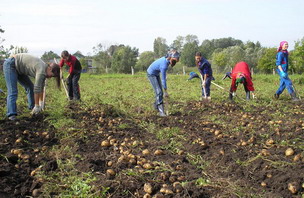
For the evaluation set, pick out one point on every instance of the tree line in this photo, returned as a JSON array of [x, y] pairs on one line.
[[223, 53]]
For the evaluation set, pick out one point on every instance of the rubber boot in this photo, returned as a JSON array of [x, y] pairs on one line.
[[155, 106], [230, 96], [276, 96], [294, 97], [161, 110], [247, 95]]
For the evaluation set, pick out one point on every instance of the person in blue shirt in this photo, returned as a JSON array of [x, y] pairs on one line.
[[204, 67], [160, 66], [282, 69]]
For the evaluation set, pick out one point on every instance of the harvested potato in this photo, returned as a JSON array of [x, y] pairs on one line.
[[146, 152], [105, 143], [159, 152], [148, 188], [111, 172], [289, 152], [293, 187], [147, 166]]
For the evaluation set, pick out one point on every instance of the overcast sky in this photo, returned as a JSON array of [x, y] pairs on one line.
[[56, 25]]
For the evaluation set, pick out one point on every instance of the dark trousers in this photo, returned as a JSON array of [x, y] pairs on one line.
[[73, 86], [207, 86]]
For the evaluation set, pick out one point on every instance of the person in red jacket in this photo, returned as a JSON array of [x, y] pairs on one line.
[[241, 74], [74, 74]]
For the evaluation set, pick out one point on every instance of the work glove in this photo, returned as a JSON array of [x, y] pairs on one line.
[[37, 109], [283, 74], [166, 94], [41, 104], [233, 94], [253, 96]]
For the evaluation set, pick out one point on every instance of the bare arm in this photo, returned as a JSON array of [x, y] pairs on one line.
[[38, 97]]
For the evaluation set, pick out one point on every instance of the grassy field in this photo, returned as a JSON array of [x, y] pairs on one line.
[[106, 145]]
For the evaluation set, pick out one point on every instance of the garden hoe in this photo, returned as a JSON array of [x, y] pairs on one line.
[[167, 105], [297, 93], [62, 81], [204, 90], [44, 92], [226, 90]]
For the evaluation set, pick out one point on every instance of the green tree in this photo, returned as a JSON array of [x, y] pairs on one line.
[[144, 61], [225, 59], [178, 43], [124, 58], [4, 52], [112, 49], [220, 60], [267, 62], [79, 55], [160, 47], [236, 54], [191, 39], [103, 57], [187, 57], [253, 52], [49, 56], [18, 50], [102, 62], [207, 48], [297, 57], [189, 49]]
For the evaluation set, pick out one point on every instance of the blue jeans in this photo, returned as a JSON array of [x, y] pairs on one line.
[[11, 79], [207, 86], [158, 89], [285, 83]]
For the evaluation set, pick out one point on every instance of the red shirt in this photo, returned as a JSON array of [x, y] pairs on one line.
[[241, 69], [72, 62]]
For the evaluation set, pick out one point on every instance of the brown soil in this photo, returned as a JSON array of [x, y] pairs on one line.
[[237, 153]]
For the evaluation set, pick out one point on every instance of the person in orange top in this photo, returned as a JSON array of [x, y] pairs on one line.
[[241, 74], [74, 76]]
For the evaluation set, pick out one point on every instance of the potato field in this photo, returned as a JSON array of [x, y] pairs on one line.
[[113, 143]]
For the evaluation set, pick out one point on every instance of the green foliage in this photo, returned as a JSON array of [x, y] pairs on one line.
[[202, 181], [167, 133], [219, 61], [191, 39], [4, 52], [49, 56], [102, 61], [144, 61], [188, 54], [267, 62], [178, 43], [76, 184], [84, 63], [160, 47], [124, 58], [78, 54], [209, 46], [297, 57], [224, 60], [18, 50]]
